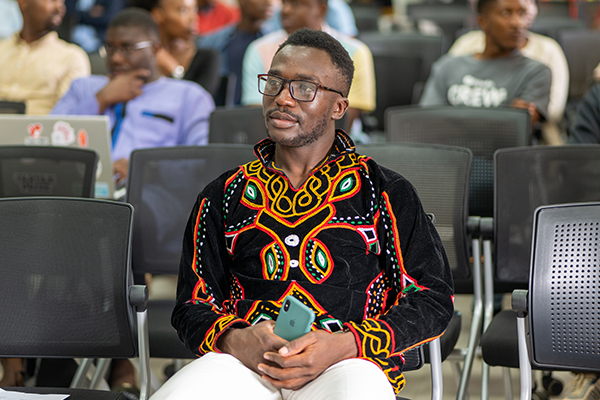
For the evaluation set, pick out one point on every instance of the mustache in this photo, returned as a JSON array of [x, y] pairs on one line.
[[284, 111]]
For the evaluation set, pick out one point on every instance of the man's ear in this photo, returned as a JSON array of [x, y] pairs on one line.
[[22, 5], [340, 108], [158, 15], [482, 22]]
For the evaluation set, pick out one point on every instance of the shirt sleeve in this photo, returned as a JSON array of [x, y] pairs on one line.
[[435, 91], [586, 128], [252, 66], [362, 91], [537, 88], [198, 106], [419, 273], [77, 101], [340, 17], [79, 63], [199, 315]]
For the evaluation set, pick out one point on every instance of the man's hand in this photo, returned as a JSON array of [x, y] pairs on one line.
[[305, 358], [120, 169], [251, 343], [123, 87], [520, 103]]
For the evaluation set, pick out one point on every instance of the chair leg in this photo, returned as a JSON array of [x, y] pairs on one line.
[[435, 363], [102, 366], [488, 315], [476, 322], [507, 383], [524, 366], [81, 373]]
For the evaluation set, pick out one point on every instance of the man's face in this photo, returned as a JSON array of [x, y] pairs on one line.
[[121, 38], [295, 124], [257, 9], [43, 14], [177, 17], [504, 22], [296, 14]]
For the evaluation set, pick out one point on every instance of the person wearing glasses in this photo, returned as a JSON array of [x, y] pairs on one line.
[[144, 108], [36, 67], [313, 219]]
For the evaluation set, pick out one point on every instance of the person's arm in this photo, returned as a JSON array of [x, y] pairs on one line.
[[77, 100], [535, 94], [340, 17], [197, 108], [415, 262], [586, 128], [251, 67]]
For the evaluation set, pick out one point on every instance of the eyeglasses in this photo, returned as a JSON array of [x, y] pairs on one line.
[[301, 90], [126, 50]]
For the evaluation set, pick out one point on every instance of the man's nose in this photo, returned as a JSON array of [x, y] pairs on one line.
[[285, 96]]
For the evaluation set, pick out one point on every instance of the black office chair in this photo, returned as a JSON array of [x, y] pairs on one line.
[[65, 285], [238, 125], [163, 185], [12, 107], [526, 178], [561, 306], [47, 171], [451, 18], [483, 131], [441, 176], [582, 50], [551, 26]]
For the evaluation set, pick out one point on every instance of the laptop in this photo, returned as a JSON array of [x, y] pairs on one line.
[[88, 132]]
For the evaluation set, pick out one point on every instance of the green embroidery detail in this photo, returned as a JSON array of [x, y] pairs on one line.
[[346, 184]]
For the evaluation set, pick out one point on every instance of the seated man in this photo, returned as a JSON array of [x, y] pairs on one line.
[[312, 219], [231, 42], [586, 128], [296, 14], [36, 67], [540, 48], [145, 109], [500, 75]]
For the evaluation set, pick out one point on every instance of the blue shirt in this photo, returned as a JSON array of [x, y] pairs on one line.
[[169, 112]]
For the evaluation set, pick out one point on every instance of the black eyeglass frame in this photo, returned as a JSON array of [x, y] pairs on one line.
[[126, 50], [289, 82]]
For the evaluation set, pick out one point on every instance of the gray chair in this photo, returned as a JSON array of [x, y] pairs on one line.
[[47, 171], [441, 176], [526, 178], [561, 306], [66, 288], [163, 185], [237, 125], [582, 50], [451, 18]]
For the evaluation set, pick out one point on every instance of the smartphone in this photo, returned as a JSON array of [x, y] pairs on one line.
[[294, 320]]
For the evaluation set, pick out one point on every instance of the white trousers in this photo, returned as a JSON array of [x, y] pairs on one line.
[[224, 377]]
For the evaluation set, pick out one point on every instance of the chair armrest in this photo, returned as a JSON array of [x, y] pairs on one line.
[[486, 228], [473, 223], [519, 302], [138, 297]]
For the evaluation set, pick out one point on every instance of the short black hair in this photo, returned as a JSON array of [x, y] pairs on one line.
[[135, 17], [323, 41], [148, 5], [482, 5]]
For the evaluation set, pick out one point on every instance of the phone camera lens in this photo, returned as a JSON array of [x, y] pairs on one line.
[[286, 306]]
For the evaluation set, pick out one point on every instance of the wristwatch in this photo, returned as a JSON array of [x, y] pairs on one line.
[[178, 72]]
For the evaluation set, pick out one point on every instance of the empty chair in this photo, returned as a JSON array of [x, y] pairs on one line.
[[552, 25], [582, 50], [238, 125], [163, 185], [451, 18], [66, 288], [12, 107], [526, 178], [561, 305], [47, 171], [481, 130]]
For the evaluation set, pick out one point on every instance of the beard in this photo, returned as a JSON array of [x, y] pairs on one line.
[[303, 138]]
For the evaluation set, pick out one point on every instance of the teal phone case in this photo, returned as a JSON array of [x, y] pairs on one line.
[[294, 320]]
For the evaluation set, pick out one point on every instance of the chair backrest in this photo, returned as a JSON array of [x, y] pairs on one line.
[[12, 107], [47, 171], [529, 177], [366, 17], [551, 25], [65, 278], [564, 291], [483, 131], [582, 50], [238, 125], [163, 184], [441, 176], [451, 18]]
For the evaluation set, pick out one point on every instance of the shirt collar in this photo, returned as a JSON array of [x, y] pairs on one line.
[[342, 144], [51, 36]]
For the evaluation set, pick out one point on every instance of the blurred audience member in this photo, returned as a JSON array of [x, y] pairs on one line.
[[145, 109], [179, 57], [231, 42], [92, 18], [36, 66], [214, 15], [537, 47], [296, 14], [10, 18], [498, 76], [339, 16], [586, 128]]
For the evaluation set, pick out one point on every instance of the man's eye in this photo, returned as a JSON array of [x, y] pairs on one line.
[[273, 83], [306, 89]]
